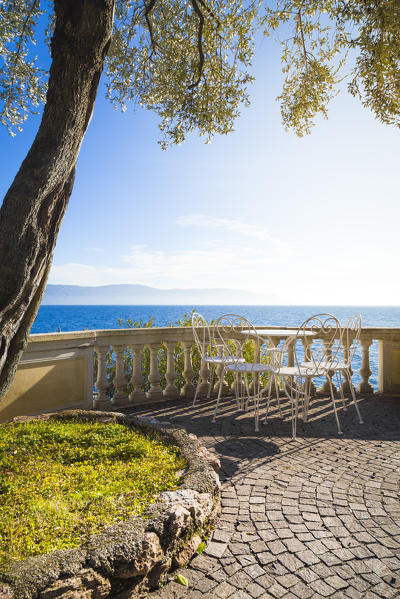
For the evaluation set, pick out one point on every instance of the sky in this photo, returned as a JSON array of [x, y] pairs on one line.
[[310, 221]]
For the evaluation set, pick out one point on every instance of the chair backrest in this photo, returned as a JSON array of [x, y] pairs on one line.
[[320, 336], [231, 336], [350, 338], [201, 334]]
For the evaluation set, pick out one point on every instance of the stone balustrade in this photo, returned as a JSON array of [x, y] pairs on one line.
[[136, 366]]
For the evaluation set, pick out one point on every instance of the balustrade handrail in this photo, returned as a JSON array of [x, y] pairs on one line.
[[153, 385], [70, 338]]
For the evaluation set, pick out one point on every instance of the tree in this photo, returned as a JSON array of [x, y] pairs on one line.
[[186, 59]]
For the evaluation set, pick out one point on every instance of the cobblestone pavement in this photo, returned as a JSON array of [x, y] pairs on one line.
[[316, 517]]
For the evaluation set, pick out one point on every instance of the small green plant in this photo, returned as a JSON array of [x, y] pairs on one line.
[[61, 481], [201, 547]]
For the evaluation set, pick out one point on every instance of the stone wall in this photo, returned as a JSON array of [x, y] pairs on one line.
[[133, 556]]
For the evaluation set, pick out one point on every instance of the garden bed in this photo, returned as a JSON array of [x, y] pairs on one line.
[[112, 557]]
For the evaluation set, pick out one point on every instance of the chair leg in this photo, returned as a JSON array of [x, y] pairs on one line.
[[334, 405], [278, 396], [296, 413], [256, 412], [340, 385], [246, 401], [211, 381], [236, 386], [307, 398], [197, 391], [294, 408], [219, 396], [269, 392], [239, 391], [353, 395], [197, 386]]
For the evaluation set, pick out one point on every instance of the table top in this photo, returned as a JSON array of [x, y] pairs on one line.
[[283, 333]]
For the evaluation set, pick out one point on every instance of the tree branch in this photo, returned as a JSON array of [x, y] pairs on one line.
[[148, 10], [210, 13], [300, 27], [199, 43]]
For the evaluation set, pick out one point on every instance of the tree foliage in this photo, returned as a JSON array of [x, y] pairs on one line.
[[331, 41], [189, 60], [22, 80]]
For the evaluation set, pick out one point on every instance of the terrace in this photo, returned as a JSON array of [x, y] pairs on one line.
[[57, 369], [316, 517]]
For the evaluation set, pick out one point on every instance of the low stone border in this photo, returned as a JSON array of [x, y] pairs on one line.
[[133, 556]]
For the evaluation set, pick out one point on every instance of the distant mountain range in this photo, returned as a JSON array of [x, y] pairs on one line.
[[142, 294]]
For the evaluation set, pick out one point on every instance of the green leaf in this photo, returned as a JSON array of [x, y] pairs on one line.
[[182, 580]]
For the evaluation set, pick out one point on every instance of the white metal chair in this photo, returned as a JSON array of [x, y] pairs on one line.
[[340, 367], [320, 337], [237, 336], [211, 353]]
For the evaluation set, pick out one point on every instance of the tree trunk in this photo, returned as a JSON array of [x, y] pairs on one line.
[[35, 204]]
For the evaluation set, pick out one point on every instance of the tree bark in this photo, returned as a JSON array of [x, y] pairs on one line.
[[35, 204]]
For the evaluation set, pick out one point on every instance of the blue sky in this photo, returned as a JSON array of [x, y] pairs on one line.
[[311, 220]]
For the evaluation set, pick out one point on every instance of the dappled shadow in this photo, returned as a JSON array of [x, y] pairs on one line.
[[381, 416], [239, 447]]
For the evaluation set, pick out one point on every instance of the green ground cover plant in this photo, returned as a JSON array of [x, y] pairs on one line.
[[61, 481]]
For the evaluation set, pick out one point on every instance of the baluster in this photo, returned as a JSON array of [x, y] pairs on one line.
[[290, 358], [306, 342], [120, 397], [188, 389], [137, 395], [325, 389], [365, 370], [204, 374], [225, 387], [171, 391], [345, 387], [102, 402], [219, 373], [155, 392]]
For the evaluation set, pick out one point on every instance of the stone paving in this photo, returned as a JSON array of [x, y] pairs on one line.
[[311, 518]]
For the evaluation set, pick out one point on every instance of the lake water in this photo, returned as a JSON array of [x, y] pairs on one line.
[[76, 318]]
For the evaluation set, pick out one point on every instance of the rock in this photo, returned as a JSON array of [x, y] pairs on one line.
[[87, 585], [159, 574], [217, 483], [6, 592], [198, 504], [146, 420], [211, 458], [187, 552], [149, 554], [180, 521]]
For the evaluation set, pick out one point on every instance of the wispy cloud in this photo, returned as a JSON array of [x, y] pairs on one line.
[[228, 267], [212, 266], [230, 225]]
